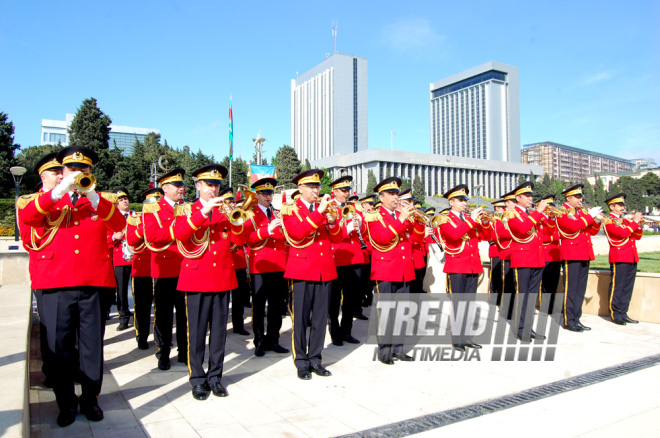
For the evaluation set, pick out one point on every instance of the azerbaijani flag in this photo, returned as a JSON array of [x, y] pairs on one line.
[[261, 171], [231, 132]]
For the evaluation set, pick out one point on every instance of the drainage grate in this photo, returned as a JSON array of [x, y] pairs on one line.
[[445, 418]]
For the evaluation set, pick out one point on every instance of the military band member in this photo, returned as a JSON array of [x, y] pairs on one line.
[[551, 242], [309, 229], [366, 284], [576, 229], [622, 235], [73, 267], [349, 259], [122, 266], [527, 257], [503, 239], [267, 264], [295, 195], [418, 249], [392, 233], [50, 173], [460, 235], [495, 274], [142, 284], [165, 267]]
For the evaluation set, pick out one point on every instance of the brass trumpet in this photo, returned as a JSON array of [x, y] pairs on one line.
[[85, 182], [239, 216], [333, 210]]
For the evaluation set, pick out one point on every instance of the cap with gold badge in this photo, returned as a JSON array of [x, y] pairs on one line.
[[499, 203], [265, 185], [295, 195], [619, 198], [174, 177], [391, 184], [121, 192], [405, 195], [211, 174], [526, 188], [461, 191], [343, 183], [311, 177], [77, 157], [48, 162], [227, 193], [575, 190], [368, 199], [152, 195]]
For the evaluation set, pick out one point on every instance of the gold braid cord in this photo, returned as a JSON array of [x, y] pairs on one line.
[[616, 243], [288, 209], [146, 241], [373, 216], [50, 230], [264, 242], [513, 236], [201, 245]]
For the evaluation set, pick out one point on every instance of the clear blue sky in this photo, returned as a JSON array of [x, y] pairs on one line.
[[589, 71]]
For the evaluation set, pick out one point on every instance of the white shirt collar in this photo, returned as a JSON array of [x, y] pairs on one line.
[[521, 208], [457, 214], [615, 215], [307, 204], [388, 210], [264, 209], [170, 202]]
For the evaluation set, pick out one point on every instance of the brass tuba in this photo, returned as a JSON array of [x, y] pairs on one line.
[[239, 216], [85, 182]]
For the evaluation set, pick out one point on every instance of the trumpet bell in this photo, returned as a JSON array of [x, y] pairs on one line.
[[238, 217], [348, 212], [85, 182]]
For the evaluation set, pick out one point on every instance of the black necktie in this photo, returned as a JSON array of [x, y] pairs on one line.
[[74, 198], [211, 214], [394, 215], [462, 217], [269, 214], [126, 215], [311, 208]]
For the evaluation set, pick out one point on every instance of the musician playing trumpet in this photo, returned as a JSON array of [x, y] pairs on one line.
[[622, 234], [418, 249], [122, 260], [551, 248]]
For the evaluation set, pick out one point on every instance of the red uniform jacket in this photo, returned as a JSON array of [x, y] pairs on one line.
[[116, 250], [461, 245], [141, 254], [159, 236], [622, 236], [238, 253], [527, 246], [366, 252], [208, 265], [315, 262], [267, 253], [78, 253], [349, 250], [26, 234], [576, 230], [390, 261], [550, 237]]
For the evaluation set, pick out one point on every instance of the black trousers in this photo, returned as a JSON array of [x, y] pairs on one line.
[[309, 308], [123, 276], [47, 355], [461, 284], [495, 279], [576, 273], [509, 288], [73, 315], [143, 296], [239, 297], [550, 282], [528, 287], [367, 285], [206, 310], [387, 350], [418, 284], [166, 299], [622, 283], [268, 287], [345, 293]]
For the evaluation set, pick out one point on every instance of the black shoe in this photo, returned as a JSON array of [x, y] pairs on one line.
[[629, 320], [67, 416], [319, 370], [201, 392], [459, 347], [48, 382], [524, 341], [277, 348], [387, 361], [259, 350], [619, 321], [143, 345], [583, 327], [350, 339], [403, 357], [535, 335], [361, 316], [574, 328], [164, 363], [473, 345], [122, 326], [93, 412], [183, 358], [219, 390], [241, 331], [337, 342], [304, 374]]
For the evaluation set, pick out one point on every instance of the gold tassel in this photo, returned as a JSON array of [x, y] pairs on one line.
[[24, 200], [288, 208], [112, 197], [151, 207], [372, 216], [183, 210], [133, 220]]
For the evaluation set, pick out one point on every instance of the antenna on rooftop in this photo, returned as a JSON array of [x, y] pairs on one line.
[[334, 36]]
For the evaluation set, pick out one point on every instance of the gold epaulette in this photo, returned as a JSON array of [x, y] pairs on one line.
[[508, 214], [183, 209], [372, 216], [150, 207], [443, 219], [133, 220], [112, 197], [288, 208], [24, 200]]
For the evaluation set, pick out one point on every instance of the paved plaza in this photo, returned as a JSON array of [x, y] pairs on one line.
[[268, 400]]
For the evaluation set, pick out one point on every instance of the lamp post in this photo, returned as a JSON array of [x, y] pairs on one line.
[[17, 172], [476, 190]]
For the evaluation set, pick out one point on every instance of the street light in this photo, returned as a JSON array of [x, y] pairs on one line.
[[17, 172], [476, 190]]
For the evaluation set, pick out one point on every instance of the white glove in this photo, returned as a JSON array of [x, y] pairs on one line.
[[93, 198], [64, 187], [595, 211]]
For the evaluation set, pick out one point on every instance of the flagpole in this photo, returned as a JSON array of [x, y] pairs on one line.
[[231, 138]]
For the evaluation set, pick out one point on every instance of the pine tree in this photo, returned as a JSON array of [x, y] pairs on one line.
[[599, 193], [588, 194], [288, 166], [325, 181], [418, 191], [7, 150], [27, 158], [405, 183], [239, 172], [371, 183]]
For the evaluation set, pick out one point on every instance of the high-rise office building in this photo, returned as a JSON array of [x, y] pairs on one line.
[[53, 131], [476, 114], [329, 108]]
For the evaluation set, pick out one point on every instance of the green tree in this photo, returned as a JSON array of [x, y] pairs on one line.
[[27, 158], [418, 191], [650, 184], [264, 160], [633, 191], [239, 172], [521, 179], [288, 166], [7, 150], [325, 181], [405, 183], [306, 166], [599, 193], [588, 194], [371, 182]]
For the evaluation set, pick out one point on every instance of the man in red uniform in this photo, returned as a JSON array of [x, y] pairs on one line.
[[527, 257], [460, 235], [207, 275], [550, 237], [418, 249], [392, 234], [622, 235], [309, 229], [72, 269], [267, 264], [142, 284], [165, 266], [50, 172], [349, 259], [576, 229], [495, 278], [122, 266], [366, 284]]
